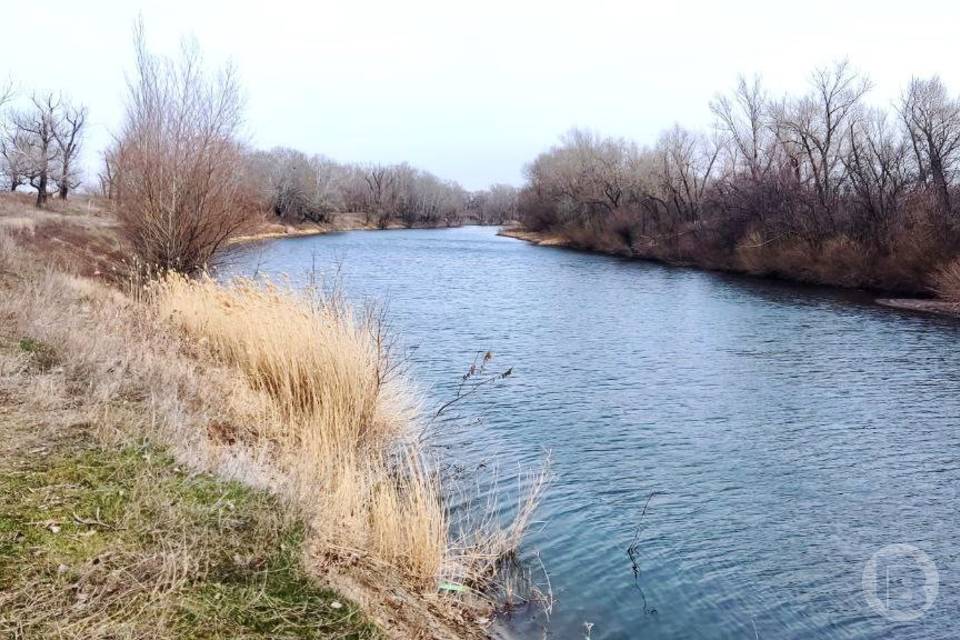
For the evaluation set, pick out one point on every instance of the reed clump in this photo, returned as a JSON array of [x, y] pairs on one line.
[[946, 281], [342, 430], [342, 425]]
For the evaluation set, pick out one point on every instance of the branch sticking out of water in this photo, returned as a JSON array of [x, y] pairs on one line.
[[633, 551], [474, 380]]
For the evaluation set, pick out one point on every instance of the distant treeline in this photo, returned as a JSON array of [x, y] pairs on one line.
[[300, 187], [818, 188]]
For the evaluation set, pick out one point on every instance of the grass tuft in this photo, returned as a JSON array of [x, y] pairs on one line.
[[946, 281], [43, 354]]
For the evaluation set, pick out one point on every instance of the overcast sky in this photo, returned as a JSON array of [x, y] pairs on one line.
[[473, 90]]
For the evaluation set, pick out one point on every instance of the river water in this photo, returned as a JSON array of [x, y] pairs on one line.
[[784, 436]]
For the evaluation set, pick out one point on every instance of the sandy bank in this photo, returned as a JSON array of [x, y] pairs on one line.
[[937, 307], [534, 237]]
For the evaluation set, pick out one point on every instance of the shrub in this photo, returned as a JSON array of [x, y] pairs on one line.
[[180, 190]]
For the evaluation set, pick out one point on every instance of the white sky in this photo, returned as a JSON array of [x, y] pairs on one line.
[[473, 90]]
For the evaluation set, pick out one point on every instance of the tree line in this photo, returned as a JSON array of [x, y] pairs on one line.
[[818, 187], [302, 187]]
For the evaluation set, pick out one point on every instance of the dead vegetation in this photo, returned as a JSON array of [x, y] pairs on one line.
[[946, 282]]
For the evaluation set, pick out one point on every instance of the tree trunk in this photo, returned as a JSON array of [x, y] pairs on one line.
[[42, 190], [63, 188], [940, 184]]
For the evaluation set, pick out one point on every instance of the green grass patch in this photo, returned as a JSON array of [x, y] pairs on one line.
[[96, 543], [44, 354]]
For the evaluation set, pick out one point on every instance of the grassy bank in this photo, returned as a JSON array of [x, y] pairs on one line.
[[107, 541], [286, 403]]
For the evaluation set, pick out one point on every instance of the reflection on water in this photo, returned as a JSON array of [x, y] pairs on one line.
[[785, 434]]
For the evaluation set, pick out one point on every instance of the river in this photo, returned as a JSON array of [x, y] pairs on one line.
[[785, 436]]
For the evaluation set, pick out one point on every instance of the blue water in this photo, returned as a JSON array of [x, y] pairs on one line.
[[785, 433]]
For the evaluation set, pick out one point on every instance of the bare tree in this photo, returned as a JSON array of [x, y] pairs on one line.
[[817, 187], [745, 119], [877, 164], [108, 179], [10, 151], [181, 189], [812, 130], [686, 161], [68, 136], [37, 127], [496, 205], [7, 91], [932, 118], [16, 154], [379, 181]]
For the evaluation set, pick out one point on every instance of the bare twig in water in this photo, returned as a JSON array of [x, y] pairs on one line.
[[633, 551], [476, 378], [548, 598]]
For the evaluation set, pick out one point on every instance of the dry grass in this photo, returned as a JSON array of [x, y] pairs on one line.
[[76, 235], [335, 423], [946, 281], [344, 431], [99, 539]]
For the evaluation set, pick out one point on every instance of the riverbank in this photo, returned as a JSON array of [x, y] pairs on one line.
[[127, 371], [920, 305], [268, 229], [533, 237]]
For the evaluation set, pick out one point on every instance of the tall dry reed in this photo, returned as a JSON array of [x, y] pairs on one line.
[[946, 281], [343, 431]]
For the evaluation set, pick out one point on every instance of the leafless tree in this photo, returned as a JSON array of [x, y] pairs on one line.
[[37, 127], [812, 130], [295, 185], [182, 192], [932, 118], [68, 135], [745, 120], [108, 178], [817, 188], [10, 149], [16, 153], [878, 167], [496, 205], [379, 181], [685, 164]]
